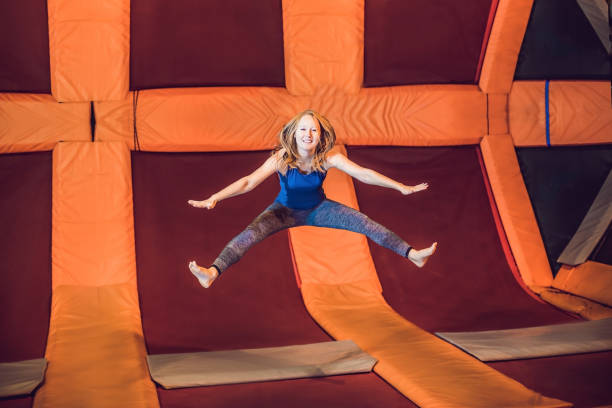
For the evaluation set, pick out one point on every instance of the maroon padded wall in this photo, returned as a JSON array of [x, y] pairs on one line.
[[255, 303], [24, 47], [25, 255], [467, 285], [206, 42], [423, 41]]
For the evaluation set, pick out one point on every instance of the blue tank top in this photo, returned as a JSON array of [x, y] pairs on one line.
[[301, 191]]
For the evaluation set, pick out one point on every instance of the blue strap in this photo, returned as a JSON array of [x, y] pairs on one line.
[[547, 112]]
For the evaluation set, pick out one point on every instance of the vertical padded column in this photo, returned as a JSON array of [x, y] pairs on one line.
[[323, 45], [89, 46], [95, 348], [515, 210], [504, 45]]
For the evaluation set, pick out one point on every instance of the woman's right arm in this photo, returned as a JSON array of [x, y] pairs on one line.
[[241, 186]]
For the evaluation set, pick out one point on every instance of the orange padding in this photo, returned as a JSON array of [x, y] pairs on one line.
[[96, 351], [31, 122], [323, 45], [93, 223], [342, 292], [89, 48], [429, 371], [592, 280], [345, 258], [576, 304], [217, 119], [504, 45], [579, 113], [515, 210], [96, 348]]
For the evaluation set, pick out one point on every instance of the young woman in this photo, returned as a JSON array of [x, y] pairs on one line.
[[302, 161]]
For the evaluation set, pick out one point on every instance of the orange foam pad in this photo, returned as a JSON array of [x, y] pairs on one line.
[[96, 351], [515, 210], [329, 256], [497, 114], [429, 371], [586, 308], [504, 45], [579, 113], [89, 48], [92, 219], [323, 45], [32, 122], [218, 119], [592, 280]]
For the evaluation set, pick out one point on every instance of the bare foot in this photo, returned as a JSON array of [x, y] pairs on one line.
[[205, 276], [420, 256]]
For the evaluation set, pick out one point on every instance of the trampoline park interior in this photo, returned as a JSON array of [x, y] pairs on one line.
[[114, 113]]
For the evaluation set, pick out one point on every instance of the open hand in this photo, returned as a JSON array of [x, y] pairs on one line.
[[414, 189], [208, 203]]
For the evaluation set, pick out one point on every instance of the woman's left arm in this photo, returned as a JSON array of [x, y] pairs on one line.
[[369, 176]]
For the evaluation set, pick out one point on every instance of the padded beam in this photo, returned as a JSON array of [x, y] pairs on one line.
[[349, 305], [263, 364], [89, 47], [504, 45], [592, 227], [532, 342], [497, 114], [95, 335], [579, 305], [323, 45], [515, 210], [21, 377], [33, 122], [223, 119]]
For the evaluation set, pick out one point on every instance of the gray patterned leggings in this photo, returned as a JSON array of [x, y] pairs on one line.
[[330, 214]]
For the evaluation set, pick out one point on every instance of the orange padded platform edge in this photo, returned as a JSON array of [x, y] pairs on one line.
[[95, 348], [592, 280], [586, 308], [342, 292], [89, 46], [579, 113], [34, 122], [323, 45], [515, 210], [221, 119], [504, 45]]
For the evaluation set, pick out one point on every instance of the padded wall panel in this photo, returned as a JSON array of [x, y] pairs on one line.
[[423, 42], [89, 48], [562, 183], [504, 44], [24, 46], [30, 122], [25, 254], [323, 45], [560, 43], [255, 303], [211, 42]]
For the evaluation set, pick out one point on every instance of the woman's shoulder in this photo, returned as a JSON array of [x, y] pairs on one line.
[[333, 158]]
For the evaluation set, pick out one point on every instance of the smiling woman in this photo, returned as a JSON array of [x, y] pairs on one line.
[[302, 160]]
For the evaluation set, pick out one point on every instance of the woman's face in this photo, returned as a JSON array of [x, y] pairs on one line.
[[308, 133]]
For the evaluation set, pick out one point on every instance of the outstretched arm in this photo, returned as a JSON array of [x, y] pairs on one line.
[[369, 176], [241, 186]]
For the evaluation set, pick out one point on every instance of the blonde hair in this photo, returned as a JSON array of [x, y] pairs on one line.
[[286, 137]]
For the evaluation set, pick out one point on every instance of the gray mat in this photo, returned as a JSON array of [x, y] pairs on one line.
[[592, 227], [530, 342], [265, 364], [21, 377]]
